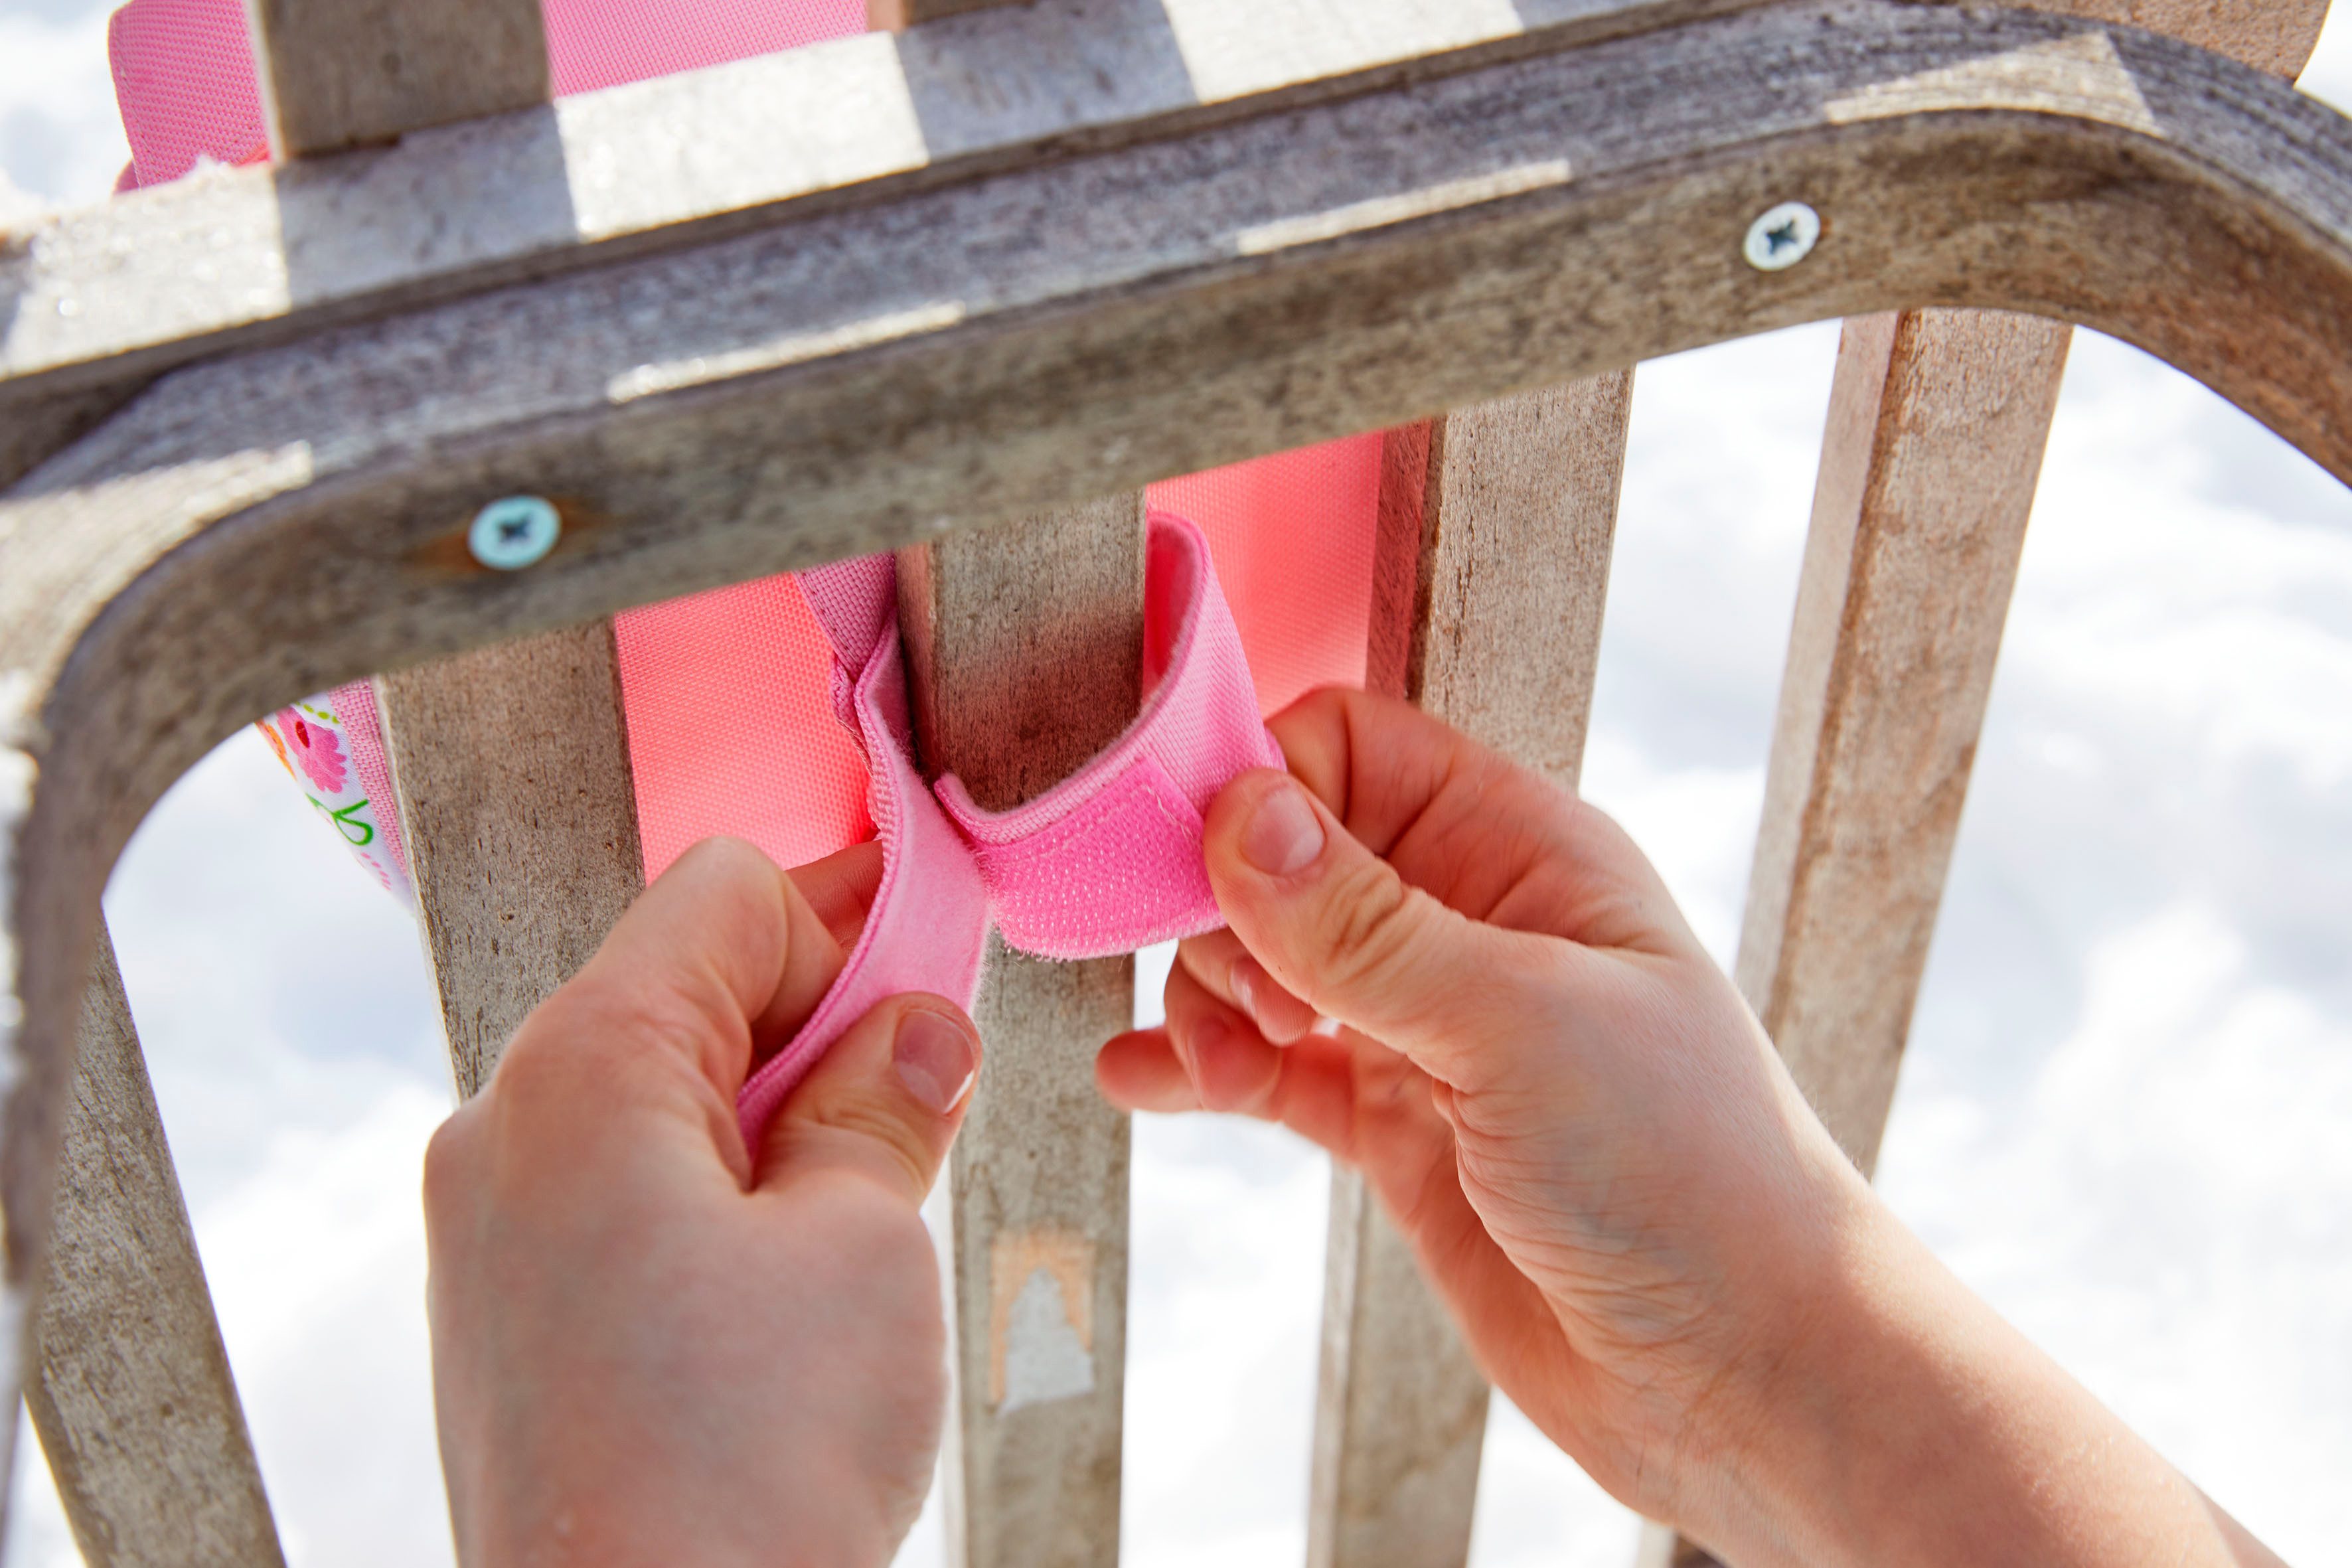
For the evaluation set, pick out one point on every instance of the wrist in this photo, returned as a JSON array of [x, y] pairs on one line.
[[1902, 1421]]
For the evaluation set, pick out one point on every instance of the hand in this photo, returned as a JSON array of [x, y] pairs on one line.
[[1648, 1240], [651, 1344]]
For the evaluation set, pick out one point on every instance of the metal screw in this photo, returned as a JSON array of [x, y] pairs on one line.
[[1781, 236], [514, 531]]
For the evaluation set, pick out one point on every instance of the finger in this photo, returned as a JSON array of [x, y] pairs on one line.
[[720, 951], [841, 887], [1139, 1071], [1338, 927], [1221, 964], [884, 1104], [1353, 1098], [1498, 842], [1366, 1106], [1231, 1064]]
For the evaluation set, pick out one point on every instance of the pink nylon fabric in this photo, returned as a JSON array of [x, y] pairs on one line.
[[744, 716], [1105, 861], [1109, 860]]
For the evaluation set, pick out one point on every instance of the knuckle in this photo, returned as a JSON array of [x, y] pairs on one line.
[[1370, 920], [863, 1116], [449, 1161]]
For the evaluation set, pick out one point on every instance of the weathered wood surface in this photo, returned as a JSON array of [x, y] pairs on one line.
[[984, 345], [1937, 423], [520, 818], [344, 73], [134, 1403], [1490, 573], [1025, 647], [894, 15], [251, 255], [1938, 420]]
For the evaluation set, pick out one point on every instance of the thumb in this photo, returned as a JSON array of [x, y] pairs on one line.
[[1342, 932], [884, 1104]]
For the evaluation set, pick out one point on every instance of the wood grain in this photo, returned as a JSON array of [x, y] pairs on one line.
[[893, 16], [520, 818], [1490, 571], [1917, 521], [998, 343], [1936, 426], [344, 73], [134, 1403], [1026, 652], [232, 257]]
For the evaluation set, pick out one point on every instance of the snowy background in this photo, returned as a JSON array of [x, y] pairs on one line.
[[2125, 1117]]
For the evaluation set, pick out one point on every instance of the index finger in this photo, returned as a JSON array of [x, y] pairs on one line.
[[1495, 841], [720, 956]]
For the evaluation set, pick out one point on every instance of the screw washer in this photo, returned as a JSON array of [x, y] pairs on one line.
[[1781, 236], [514, 531]]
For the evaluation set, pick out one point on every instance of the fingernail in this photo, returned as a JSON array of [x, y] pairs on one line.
[[934, 1058], [1283, 835]]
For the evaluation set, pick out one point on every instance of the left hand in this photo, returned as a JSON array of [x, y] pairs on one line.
[[651, 1344]]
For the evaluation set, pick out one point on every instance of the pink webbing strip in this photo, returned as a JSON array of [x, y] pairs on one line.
[[1105, 861]]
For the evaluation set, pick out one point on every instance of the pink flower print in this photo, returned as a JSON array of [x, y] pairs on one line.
[[315, 747]]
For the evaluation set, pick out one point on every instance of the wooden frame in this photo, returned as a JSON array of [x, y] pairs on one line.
[[247, 419]]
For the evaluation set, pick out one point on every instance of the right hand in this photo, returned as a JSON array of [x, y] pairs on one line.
[[1576, 1122], [1649, 1241]]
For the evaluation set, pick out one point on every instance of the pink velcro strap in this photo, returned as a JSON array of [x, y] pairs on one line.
[[1109, 860], [1103, 862], [928, 921]]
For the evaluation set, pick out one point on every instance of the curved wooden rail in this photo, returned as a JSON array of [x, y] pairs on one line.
[[1005, 337]]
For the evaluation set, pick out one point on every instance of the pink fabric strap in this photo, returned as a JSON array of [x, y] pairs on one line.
[[1105, 861]]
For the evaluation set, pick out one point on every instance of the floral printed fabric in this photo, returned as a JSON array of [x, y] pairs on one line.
[[316, 745]]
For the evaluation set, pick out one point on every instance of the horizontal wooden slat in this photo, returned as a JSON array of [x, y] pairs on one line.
[[519, 814], [134, 1403], [964, 348], [344, 73], [198, 266], [1490, 573], [1026, 653], [894, 15]]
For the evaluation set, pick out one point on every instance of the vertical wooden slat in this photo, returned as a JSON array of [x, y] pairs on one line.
[[134, 1403], [1492, 569], [519, 815], [1927, 477], [1025, 650], [345, 73], [1936, 426], [1938, 421]]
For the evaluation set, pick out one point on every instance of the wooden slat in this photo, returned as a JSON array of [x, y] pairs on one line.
[[746, 397], [519, 815], [1490, 574], [134, 1403], [1938, 420], [345, 73], [1026, 652]]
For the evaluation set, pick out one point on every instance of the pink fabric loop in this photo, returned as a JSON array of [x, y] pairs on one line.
[[928, 921], [1109, 860], [1105, 861]]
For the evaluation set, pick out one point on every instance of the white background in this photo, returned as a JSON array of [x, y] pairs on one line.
[[2125, 1118]]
